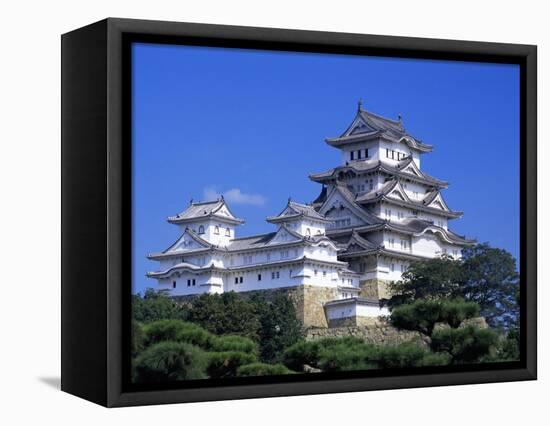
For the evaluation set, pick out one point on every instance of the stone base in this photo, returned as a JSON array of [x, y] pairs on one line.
[[354, 322], [379, 332], [375, 289]]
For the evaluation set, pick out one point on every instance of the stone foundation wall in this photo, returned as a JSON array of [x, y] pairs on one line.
[[379, 332], [353, 322], [375, 289]]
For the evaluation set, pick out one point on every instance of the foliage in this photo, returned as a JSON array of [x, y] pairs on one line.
[[225, 364], [234, 343], [491, 281], [344, 354], [423, 314], [466, 344], [154, 306], [138, 338], [262, 369], [279, 326], [170, 361], [428, 279], [350, 353], [485, 275], [302, 353], [227, 313]]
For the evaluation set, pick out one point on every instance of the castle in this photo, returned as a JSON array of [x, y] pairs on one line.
[[377, 211]]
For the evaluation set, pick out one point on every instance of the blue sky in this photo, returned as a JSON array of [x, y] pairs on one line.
[[251, 125]]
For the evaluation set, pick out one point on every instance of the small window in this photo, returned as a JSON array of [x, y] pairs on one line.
[[315, 272], [392, 267], [240, 280], [366, 153], [193, 281], [173, 284], [217, 230], [188, 283], [359, 154], [277, 274], [236, 280], [352, 155], [201, 229], [324, 273], [259, 277], [227, 232]]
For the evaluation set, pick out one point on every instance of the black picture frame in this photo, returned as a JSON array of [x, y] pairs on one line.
[[96, 213]]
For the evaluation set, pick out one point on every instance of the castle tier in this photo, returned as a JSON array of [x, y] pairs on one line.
[[385, 211], [376, 212]]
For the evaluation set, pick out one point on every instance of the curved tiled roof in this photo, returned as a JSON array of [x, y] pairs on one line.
[[369, 166], [297, 210], [373, 125], [205, 209]]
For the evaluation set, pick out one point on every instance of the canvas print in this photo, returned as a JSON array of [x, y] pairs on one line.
[[304, 213]]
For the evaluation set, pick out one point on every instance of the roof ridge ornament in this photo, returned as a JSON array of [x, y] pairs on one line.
[[359, 104]]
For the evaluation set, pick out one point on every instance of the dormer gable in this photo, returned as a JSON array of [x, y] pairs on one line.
[[188, 241], [284, 235], [435, 200]]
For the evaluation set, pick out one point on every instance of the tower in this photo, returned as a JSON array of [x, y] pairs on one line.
[[385, 210]]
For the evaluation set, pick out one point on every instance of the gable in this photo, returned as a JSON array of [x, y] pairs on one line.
[[283, 236], [438, 203], [412, 169], [186, 242], [359, 126], [397, 194], [344, 213]]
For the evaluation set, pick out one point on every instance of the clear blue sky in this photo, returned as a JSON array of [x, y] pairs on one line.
[[251, 124]]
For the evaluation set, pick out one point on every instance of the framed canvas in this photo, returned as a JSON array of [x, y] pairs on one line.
[[256, 212]]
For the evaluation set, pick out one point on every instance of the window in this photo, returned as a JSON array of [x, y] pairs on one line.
[[290, 273], [391, 242], [400, 215], [404, 244], [188, 283], [392, 267], [366, 153], [284, 254], [403, 268], [275, 275], [324, 273], [227, 232], [268, 256], [315, 272], [387, 212], [240, 280], [359, 154], [201, 229], [194, 281], [216, 230], [173, 284], [387, 153], [259, 277], [352, 155]]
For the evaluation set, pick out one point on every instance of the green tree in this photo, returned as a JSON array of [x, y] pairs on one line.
[[422, 315], [261, 369], [408, 355], [428, 279], [225, 364], [227, 313], [279, 326], [234, 343], [154, 306], [466, 344], [491, 280], [170, 361]]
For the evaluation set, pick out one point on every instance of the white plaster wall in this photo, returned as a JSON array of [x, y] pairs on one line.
[[352, 309]]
